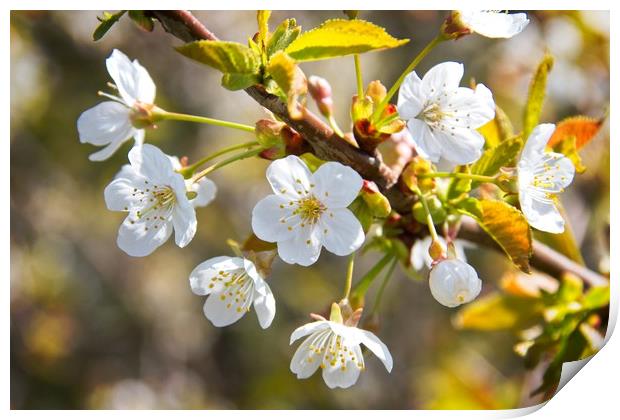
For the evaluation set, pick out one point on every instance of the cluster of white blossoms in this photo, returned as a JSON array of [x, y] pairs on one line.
[[308, 211]]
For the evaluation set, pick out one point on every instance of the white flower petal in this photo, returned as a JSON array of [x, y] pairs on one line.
[[410, 97], [308, 329], [470, 109], [185, 224], [289, 177], [446, 75], [495, 24], [342, 232], [140, 238], [267, 216], [462, 146], [223, 312], [107, 122], [537, 141], [131, 79], [306, 361], [152, 163], [336, 185], [264, 305], [206, 191], [425, 143], [377, 347], [202, 276], [119, 194], [337, 377], [303, 248], [541, 214]]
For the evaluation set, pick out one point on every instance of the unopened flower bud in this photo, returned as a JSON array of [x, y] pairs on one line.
[[269, 133], [416, 167], [377, 202], [436, 250], [376, 91], [321, 92], [454, 282]]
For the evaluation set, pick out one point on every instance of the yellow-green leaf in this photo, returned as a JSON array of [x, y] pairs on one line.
[[262, 17], [494, 158], [495, 311], [498, 129], [536, 95], [508, 227], [238, 81], [290, 78], [107, 21], [227, 57], [582, 128], [564, 242], [285, 33], [338, 37], [142, 20]]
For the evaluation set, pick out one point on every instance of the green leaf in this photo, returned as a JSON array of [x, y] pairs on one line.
[[363, 212], [238, 81], [107, 21], [496, 311], [536, 95], [508, 227], [227, 57], [597, 297], [142, 20], [290, 78], [494, 158], [262, 17], [285, 33], [471, 207], [498, 129], [459, 187], [339, 37]]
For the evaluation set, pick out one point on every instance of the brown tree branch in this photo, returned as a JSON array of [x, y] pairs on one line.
[[328, 146]]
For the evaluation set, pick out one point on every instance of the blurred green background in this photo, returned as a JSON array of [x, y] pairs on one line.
[[94, 328]]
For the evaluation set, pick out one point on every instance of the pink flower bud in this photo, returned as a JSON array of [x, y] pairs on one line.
[[321, 92]]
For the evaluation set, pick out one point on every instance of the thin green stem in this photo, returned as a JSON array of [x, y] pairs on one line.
[[334, 125], [225, 162], [459, 175], [204, 120], [190, 169], [358, 74], [434, 42], [429, 218], [349, 278], [386, 280], [362, 286]]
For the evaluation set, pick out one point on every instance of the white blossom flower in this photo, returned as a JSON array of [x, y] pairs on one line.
[[454, 282], [420, 258], [110, 123], [492, 24], [234, 284], [443, 117], [542, 175], [335, 347], [155, 197], [308, 211]]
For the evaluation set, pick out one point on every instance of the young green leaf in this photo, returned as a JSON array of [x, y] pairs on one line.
[[338, 37], [506, 225], [290, 78], [494, 158], [107, 21], [262, 16], [238, 81], [285, 33], [227, 57], [536, 95], [496, 311], [596, 297], [459, 187]]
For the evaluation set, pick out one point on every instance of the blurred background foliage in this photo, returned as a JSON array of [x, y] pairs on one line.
[[94, 328]]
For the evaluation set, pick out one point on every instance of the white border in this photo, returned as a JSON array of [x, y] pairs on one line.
[[592, 394]]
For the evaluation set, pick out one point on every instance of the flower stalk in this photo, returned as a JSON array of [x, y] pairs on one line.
[[165, 115], [460, 175], [189, 170], [225, 162]]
